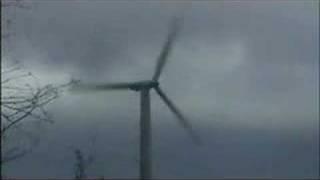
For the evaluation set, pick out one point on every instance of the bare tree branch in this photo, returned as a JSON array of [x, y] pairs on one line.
[[21, 102]]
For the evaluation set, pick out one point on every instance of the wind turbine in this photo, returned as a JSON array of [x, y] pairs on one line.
[[144, 88]]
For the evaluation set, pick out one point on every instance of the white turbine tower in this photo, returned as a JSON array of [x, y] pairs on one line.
[[144, 88]]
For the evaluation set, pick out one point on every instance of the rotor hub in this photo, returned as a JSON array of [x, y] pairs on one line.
[[144, 85]]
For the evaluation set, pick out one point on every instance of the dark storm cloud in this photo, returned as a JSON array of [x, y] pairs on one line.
[[91, 36], [244, 72], [96, 36]]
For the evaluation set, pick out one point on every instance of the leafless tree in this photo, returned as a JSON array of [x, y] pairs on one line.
[[81, 165], [23, 100], [84, 159]]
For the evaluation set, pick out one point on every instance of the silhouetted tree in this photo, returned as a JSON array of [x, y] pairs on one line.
[[22, 99], [81, 165]]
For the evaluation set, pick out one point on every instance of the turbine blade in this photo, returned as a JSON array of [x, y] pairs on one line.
[[181, 119], [166, 49], [101, 87]]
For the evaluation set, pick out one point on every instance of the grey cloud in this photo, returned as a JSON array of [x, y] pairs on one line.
[[244, 72]]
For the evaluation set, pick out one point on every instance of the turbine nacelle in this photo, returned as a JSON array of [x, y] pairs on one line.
[[137, 86]]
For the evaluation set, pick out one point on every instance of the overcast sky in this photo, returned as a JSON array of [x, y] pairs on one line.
[[244, 72]]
